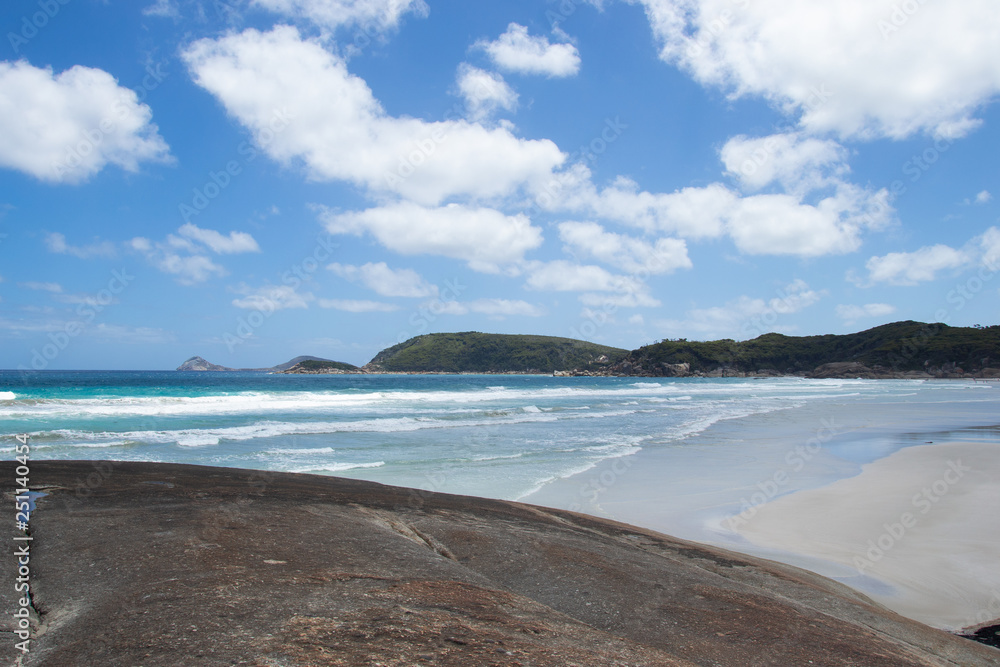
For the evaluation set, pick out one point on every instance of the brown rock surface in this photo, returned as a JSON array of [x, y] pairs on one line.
[[163, 564]]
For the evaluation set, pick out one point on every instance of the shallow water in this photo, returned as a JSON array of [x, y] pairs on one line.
[[502, 436]]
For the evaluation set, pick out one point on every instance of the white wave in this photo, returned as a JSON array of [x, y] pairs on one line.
[[531, 408], [197, 440], [398, 400], [499, 457], [293, 452], [7, 396], [85, 445], [338, 467]]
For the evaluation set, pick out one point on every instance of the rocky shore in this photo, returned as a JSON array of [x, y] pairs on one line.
[[162, 564]]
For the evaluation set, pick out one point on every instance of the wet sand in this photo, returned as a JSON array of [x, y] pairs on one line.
[[925, 520], [810, 487]]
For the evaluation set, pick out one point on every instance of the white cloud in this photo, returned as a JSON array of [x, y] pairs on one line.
[[301, 103], [517, 51], [484, 238], [495, 308], [56, 242], [353, 306], [781, 224], [563, 276], [910, 268], [627, 253], [746, 317], [484, 92], [988, 244], [65, 128], [983, 197], [270, 298], [162, 9], [55, 288], [851, 313], [378, 14], [236, 242], [189, 269], [385, 281], [855, 67], [633, 296], [777, 224], [800, 164], [691, 213], [505, 308]]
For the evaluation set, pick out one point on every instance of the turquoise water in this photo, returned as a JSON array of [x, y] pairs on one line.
[[502, 436]]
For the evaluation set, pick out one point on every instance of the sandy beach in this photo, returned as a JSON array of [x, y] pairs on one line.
[[849, 491], [923, 520]]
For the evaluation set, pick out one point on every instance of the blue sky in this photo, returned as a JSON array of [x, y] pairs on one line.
[[257, 179]]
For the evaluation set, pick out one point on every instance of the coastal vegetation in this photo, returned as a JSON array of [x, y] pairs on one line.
[[474, 352], [894, 348], [900, 349]]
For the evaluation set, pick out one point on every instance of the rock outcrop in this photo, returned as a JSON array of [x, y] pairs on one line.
[[163, 564]]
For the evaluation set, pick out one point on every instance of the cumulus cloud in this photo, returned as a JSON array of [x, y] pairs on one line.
[[167, 257], [378, 14], [357, 306], [384, 280], [800, 164], [760, 224], [301, 103], [564, 276], [517, 51], [851, 313], [56, 242], [484, 92], [484, 238], [66, 127], [747, 317], [236, 242], [625, 252], [270, 298], [854, 67], [495, 308], [910, 268]]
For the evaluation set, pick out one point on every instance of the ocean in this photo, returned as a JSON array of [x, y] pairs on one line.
[[499, 436]]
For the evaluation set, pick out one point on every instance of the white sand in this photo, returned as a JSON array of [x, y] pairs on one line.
[[924, 520]]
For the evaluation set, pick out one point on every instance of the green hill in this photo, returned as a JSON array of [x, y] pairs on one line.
[[896, 347], [474, 352], [314, 365]]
